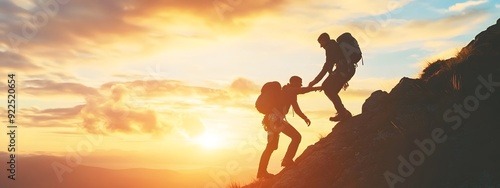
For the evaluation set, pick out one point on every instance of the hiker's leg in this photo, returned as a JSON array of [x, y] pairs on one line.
[[333, 85], [272, 144], [291, 132], [264, 161], [339, 81], [337, 86]]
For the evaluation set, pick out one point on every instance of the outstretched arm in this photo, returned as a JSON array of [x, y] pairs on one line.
[[299, 112], [328, 66], [320, 76], [303, 90], [331, 51]]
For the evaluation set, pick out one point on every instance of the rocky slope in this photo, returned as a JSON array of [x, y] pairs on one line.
[[440, 130]]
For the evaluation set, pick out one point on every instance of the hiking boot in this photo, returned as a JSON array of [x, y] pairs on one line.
[[287, 163], [341, 116], [264, 175]]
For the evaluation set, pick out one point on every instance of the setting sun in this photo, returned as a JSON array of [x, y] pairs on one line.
[[209, 140]]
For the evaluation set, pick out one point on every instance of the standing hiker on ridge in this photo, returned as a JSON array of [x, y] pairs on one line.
[[274, 121], [337, 78]]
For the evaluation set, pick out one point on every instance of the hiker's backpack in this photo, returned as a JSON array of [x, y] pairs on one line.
[[269, 97], [350, 48]]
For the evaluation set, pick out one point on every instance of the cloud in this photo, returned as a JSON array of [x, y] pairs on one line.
[[52, 88], [53, 75], [78, 19], [237, 94], [130, 108], [51, 117], [114, 111], [374, 35], [244, 86], [92, 29], [3, 86], [16, 62], [209, 9], [324, 9], [189, 125], [112, 114], [9, 14], [154, 88], [77, 27], [458, 7], [373, 7], [184, 94], [155, 107], [54, 113]]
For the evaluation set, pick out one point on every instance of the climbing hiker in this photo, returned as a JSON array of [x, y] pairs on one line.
[[275, 103], [345, 67]]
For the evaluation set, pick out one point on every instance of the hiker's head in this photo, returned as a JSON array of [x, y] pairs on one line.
[[323, 39], [296, 81]]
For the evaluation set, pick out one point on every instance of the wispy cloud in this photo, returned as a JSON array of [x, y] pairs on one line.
[[52, 88], [458, 7], [419, 30], [14, 61], [3, 86], [51, 117]]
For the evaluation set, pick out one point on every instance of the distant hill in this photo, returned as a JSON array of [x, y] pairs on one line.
[[440, 130], [37, 172]]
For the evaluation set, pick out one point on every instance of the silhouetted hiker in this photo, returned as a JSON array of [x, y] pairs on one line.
[[275, 103], [290, 92], [337, 78]]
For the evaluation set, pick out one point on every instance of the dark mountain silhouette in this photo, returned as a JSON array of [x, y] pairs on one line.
[[439, 130]]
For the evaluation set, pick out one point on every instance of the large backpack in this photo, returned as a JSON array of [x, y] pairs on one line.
[[269, 97], [350, 48]]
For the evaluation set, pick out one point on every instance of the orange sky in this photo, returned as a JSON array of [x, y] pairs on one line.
[[161, 83]]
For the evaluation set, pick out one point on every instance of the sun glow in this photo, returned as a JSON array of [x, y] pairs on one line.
[[209, 140]]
